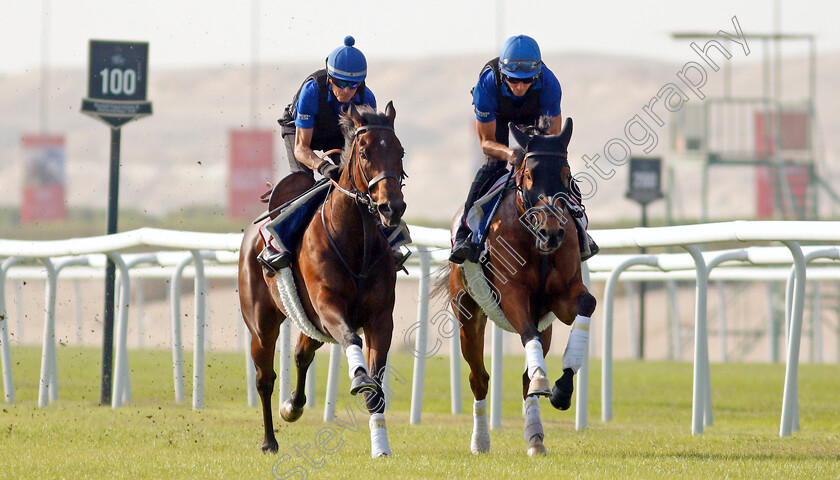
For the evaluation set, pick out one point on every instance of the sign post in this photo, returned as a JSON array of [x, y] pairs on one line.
[[116, 95], [645, 186]]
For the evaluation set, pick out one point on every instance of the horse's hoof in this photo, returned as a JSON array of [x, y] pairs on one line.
[[362, 382], [561, 392], [539, 386], [270, 446], [536, 446], [289, 412], [537, 450]]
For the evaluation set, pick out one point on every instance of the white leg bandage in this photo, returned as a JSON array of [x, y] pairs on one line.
[[355, 360], [533, 422], [480, 441], [576, 349], [378, 436], [534, 357]]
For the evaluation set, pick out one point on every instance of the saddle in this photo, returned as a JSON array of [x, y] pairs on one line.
[[291, 205], [289, 188]]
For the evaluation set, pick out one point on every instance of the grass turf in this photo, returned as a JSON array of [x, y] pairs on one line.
[[649, 437]]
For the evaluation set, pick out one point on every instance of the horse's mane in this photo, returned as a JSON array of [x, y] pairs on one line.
[[348, 128]]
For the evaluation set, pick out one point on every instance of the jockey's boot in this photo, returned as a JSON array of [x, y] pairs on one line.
[[463, 248], [397, 237], [588, 247], [400, 258], [592, 247], [273, 260]]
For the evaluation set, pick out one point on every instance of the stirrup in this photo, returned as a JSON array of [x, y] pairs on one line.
[[464, 250], [272, 261], [591, 250]]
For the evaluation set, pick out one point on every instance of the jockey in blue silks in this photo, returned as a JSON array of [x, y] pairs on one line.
[[515, 87], [311, 123]]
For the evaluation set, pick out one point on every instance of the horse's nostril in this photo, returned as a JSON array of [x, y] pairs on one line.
[[385, 210]]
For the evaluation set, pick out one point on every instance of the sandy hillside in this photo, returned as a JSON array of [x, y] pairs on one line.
[[178, 157]]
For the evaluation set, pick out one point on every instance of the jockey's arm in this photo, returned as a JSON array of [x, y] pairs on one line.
[[489, 145], [303, 152], [556, 125]]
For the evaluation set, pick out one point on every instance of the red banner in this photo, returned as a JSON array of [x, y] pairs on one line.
[[793, 132], [767, 190], [251, 166], [43, 184], [794, 136]]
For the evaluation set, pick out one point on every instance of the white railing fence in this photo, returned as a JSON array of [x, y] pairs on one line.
[[215, 255]]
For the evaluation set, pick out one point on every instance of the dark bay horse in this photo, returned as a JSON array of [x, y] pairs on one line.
[[532, 269], [343, 271]]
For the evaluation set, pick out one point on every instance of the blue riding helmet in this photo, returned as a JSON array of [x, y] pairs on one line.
[[520, 57], [347, 62]]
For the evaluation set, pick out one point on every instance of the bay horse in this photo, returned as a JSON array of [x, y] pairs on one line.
[[532, 268], [343, 271]]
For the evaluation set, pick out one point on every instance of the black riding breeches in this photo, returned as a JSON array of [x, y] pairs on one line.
[[294, 165], [484, 174]]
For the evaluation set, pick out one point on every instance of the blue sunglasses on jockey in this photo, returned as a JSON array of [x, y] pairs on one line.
[[344, 83], [524, 66]]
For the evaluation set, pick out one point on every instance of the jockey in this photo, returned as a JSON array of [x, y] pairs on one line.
[[311, 123], [515, 87]]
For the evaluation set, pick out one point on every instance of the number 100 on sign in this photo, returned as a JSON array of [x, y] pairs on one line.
[[118, 70], [118, 82]]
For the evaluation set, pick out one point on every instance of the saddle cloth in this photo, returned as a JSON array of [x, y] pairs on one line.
[[479, 215]]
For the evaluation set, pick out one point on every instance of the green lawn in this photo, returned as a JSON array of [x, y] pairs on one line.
[[650, 436]]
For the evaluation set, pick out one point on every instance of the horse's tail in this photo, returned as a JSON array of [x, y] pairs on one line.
[[440, 279]]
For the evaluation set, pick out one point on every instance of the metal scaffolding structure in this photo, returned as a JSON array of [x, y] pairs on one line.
[[775, 134]]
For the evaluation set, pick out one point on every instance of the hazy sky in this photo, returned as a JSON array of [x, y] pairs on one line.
[[215, 32]]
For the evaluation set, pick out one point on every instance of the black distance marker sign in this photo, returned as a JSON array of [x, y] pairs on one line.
[[117, 82]]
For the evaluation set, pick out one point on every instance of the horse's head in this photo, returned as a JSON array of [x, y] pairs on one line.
[[373, 157], [543, 190]]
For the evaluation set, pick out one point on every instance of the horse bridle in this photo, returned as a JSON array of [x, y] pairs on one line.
[[364, 198], [562, 194]]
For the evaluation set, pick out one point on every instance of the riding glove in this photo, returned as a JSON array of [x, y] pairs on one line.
[[328, 170]]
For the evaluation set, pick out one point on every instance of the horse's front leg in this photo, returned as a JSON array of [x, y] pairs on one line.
[[378, 343], [333, 314], [292, 408], [534, 433], [534, 381], [576, 350], [515, 303]]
